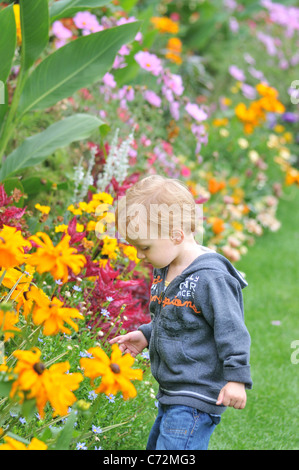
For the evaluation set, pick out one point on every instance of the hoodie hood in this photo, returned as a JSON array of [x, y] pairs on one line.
[[214, 262]]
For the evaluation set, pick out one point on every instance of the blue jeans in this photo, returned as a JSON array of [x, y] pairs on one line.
[[179, 427]]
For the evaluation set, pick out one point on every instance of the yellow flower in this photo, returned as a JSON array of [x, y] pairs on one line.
[[165, 25], [56, 259], [74, 210], [14, 444], [279, 128], [61, 228], [91, 225], [52, 385], [116, 372], [7, 324], [288, 137], [16, 10], [80, 228], [12, 246], [130, 252], [42, 209], [110, 247], [220, 122]]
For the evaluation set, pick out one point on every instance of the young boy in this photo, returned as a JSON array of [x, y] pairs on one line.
[[198, 342]]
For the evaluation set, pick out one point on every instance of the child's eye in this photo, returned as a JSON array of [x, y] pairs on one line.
[[145, 248]]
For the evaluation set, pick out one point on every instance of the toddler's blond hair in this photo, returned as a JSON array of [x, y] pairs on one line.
[[154, 207]]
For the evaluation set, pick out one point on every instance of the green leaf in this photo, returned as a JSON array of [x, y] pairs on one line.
[[127, 5], [8, 40], [65, 437], [35, 185], [5, 388], [34, 16], [75, 65], [9, 185], [3, 102], [39, 146], [67, 8], [28, 409]]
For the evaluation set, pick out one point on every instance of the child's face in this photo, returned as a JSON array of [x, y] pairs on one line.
[[159, 253]]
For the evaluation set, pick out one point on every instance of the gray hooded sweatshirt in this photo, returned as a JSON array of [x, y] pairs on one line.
[[197, 337]]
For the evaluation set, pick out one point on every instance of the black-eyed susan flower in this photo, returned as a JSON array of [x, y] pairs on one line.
[[52, 314], [55, 259], [116, 372], [53, 385], [13, 444]]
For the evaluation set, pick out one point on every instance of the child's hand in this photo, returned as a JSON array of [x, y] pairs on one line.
[[133, 343], [233, 394]]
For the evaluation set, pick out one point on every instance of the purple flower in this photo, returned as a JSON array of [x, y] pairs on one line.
[[196, 112], [248, 91], [149, 62], [236, 73], [152, 98], [290, 117]]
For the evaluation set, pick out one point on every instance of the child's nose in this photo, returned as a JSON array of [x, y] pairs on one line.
[[140, 255]]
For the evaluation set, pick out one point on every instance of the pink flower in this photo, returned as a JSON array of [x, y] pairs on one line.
[[237, 73], [185, 171], [87, 21], [108, 80], [60, 31], [174, 83], [196, 112], [149, 62], [152, 98], [174, 109]]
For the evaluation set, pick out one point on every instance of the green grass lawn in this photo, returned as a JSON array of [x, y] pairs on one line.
[[270, 419]]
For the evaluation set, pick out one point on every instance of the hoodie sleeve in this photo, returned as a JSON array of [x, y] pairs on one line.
[[222, 307], [146, 329]]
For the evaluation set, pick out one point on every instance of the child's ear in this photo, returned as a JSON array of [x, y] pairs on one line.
[[177, 236]]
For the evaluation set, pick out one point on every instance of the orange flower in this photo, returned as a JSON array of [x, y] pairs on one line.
[[175, 45], [173, 57], [250, 117], [215, 186], [218, 226], [14, 444], [55, 259], [54, 384], [12, 246], [7, 324], [51, 313], [116, 372], [174, 49], [165, 25]]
